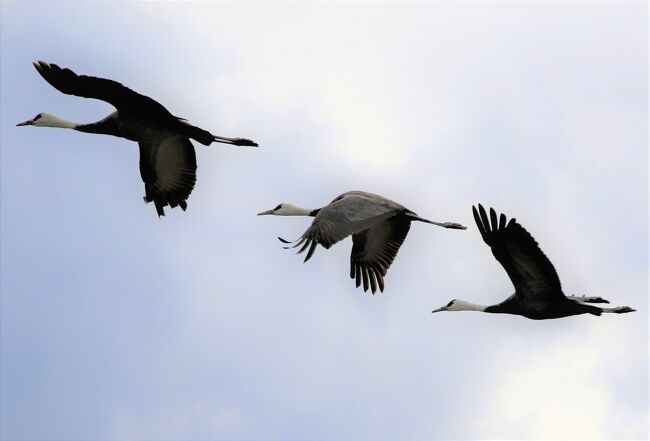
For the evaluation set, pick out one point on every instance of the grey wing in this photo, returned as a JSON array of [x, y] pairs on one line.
[[340, 219], [121, 97], [374, 249], [530, 271], [373, 201], [168, 170]]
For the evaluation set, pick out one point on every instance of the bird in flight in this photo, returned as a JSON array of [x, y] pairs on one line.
[[538, 293], [378, 227], [167, 157]]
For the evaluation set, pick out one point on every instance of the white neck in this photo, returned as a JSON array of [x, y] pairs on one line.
[[462, 305], [48, 120], [292, 210]]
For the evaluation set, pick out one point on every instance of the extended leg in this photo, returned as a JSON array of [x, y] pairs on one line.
[[619, 309], [585, 299]]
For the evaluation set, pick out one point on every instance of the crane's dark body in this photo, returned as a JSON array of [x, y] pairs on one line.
[[146, 126], [538, 292], [542, 310], [167, 157]]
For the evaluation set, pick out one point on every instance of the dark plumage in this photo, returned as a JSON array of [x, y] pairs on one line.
[[167, 158], [538, 293]]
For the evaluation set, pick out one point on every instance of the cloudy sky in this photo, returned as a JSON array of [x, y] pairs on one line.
[[117, 325]]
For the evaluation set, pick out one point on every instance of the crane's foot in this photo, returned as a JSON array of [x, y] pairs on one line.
[[591, 299]]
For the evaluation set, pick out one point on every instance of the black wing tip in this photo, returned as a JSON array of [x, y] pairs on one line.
[[43, 66], [368, 278], [160, 204], [159, 208], [310, 252], [492, 222], [476, 217], [481, 219], [40, 67]]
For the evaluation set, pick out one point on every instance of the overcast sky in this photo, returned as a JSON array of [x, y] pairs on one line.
[[118, 325]]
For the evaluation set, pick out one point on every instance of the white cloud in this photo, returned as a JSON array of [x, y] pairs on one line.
[[559, 390]]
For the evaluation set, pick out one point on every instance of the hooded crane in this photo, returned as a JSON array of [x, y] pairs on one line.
[[167, 158], [378, 227], [538, 294]]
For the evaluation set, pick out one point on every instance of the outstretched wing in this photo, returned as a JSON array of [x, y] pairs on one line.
[[124, 100], [121, 97], [346, 215], [374, 249], [530, 271], [168, 170]]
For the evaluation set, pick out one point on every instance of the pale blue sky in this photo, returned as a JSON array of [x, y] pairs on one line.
[[117, 325]]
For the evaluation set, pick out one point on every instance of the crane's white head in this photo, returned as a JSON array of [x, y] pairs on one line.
[[285, 209], [47, 120], [460, 305]]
